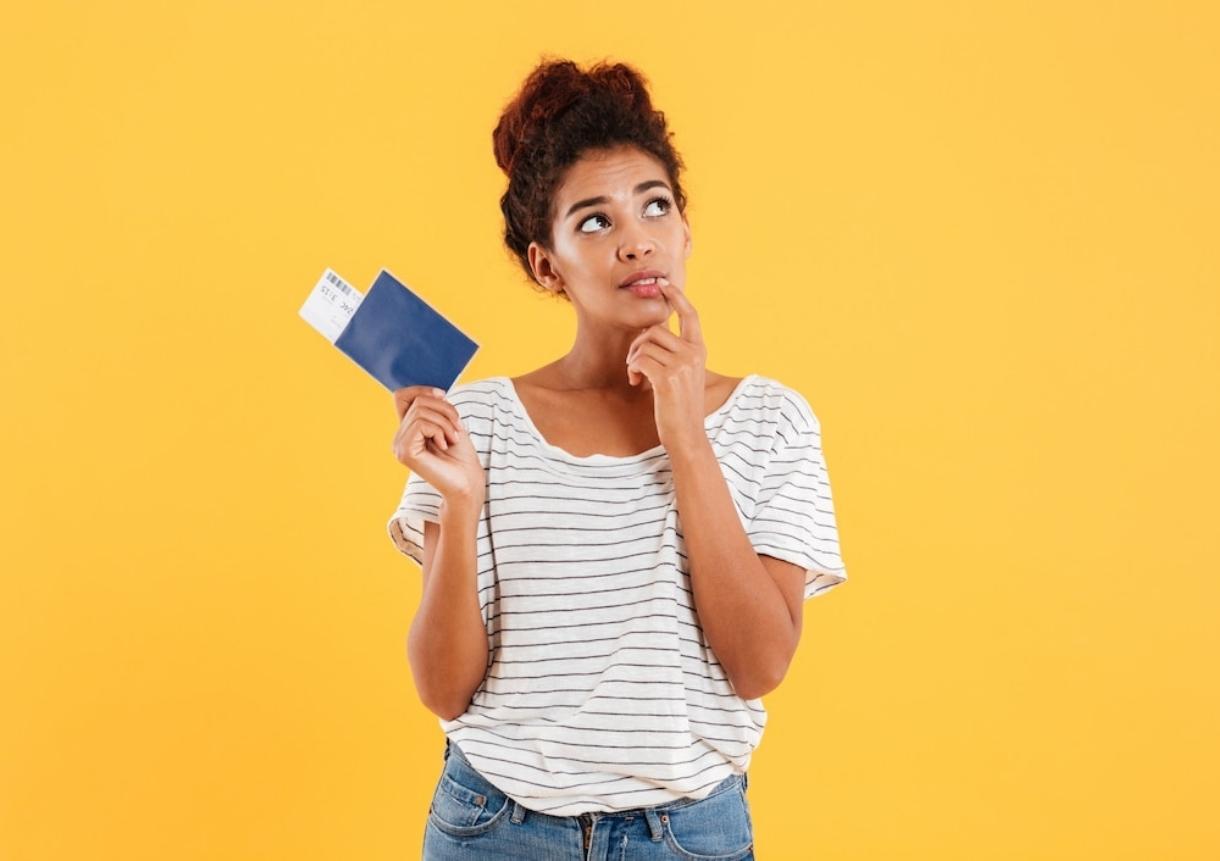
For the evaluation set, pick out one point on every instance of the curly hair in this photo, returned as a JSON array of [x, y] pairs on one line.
[[560, 113]]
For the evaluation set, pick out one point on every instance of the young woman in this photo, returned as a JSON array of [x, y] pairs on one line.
[[616, 547]]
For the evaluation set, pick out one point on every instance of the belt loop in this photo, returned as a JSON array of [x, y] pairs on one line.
[[518, 812], [654, 823], [745, 780]]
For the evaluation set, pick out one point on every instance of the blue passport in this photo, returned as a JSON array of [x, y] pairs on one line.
[[390, 331]]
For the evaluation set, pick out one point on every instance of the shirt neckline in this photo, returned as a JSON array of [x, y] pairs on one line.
[[555, 451]]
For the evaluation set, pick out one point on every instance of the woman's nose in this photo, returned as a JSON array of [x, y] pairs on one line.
[[636, 246]]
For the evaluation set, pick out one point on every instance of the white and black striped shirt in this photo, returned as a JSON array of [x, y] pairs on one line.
[[601, 692]]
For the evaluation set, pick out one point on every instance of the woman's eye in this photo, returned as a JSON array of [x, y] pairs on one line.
[[664, 201]]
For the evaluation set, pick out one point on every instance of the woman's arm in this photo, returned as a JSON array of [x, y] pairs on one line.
[[447, 644], [746, 617]]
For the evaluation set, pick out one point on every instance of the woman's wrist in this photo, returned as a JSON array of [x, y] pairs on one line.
[[461, 508]]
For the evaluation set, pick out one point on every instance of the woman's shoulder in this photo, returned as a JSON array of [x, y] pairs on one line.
[[478, 400], [784, 404], [476, 390], [475, 385]]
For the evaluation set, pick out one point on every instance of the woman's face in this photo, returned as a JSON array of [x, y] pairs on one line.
[[634, 225]]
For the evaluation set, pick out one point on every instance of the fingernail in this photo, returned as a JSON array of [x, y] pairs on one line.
[[439, 392]]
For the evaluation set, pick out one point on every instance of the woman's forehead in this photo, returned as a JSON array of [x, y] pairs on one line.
[[599, 169]]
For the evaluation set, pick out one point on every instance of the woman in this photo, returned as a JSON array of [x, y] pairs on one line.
[[616, 546]]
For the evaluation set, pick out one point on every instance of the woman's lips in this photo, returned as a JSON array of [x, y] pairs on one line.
[[646, 288]]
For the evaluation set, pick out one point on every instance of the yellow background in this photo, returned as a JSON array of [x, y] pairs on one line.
[[980, 238]]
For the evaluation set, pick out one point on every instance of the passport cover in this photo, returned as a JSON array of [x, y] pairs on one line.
[[401, 340]]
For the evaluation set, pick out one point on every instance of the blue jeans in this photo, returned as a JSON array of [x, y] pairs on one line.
[[471, 820]]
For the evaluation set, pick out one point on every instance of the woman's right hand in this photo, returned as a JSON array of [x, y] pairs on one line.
[[433, 442]]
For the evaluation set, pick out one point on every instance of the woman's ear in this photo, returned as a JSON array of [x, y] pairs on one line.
[[544, 272]]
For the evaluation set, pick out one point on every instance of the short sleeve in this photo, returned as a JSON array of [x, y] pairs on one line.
[[420, 501], [794, 515]]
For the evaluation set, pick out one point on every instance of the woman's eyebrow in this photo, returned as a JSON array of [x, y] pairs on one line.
[[593, 201]]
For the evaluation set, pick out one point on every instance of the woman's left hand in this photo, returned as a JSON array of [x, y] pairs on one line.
[[674, 365]]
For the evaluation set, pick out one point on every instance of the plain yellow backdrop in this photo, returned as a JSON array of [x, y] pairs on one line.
[[979, 238]]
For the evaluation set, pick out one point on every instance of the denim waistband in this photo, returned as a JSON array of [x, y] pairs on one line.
[[519, 810]]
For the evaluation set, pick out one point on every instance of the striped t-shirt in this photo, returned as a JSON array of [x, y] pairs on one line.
[[601, 691]]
